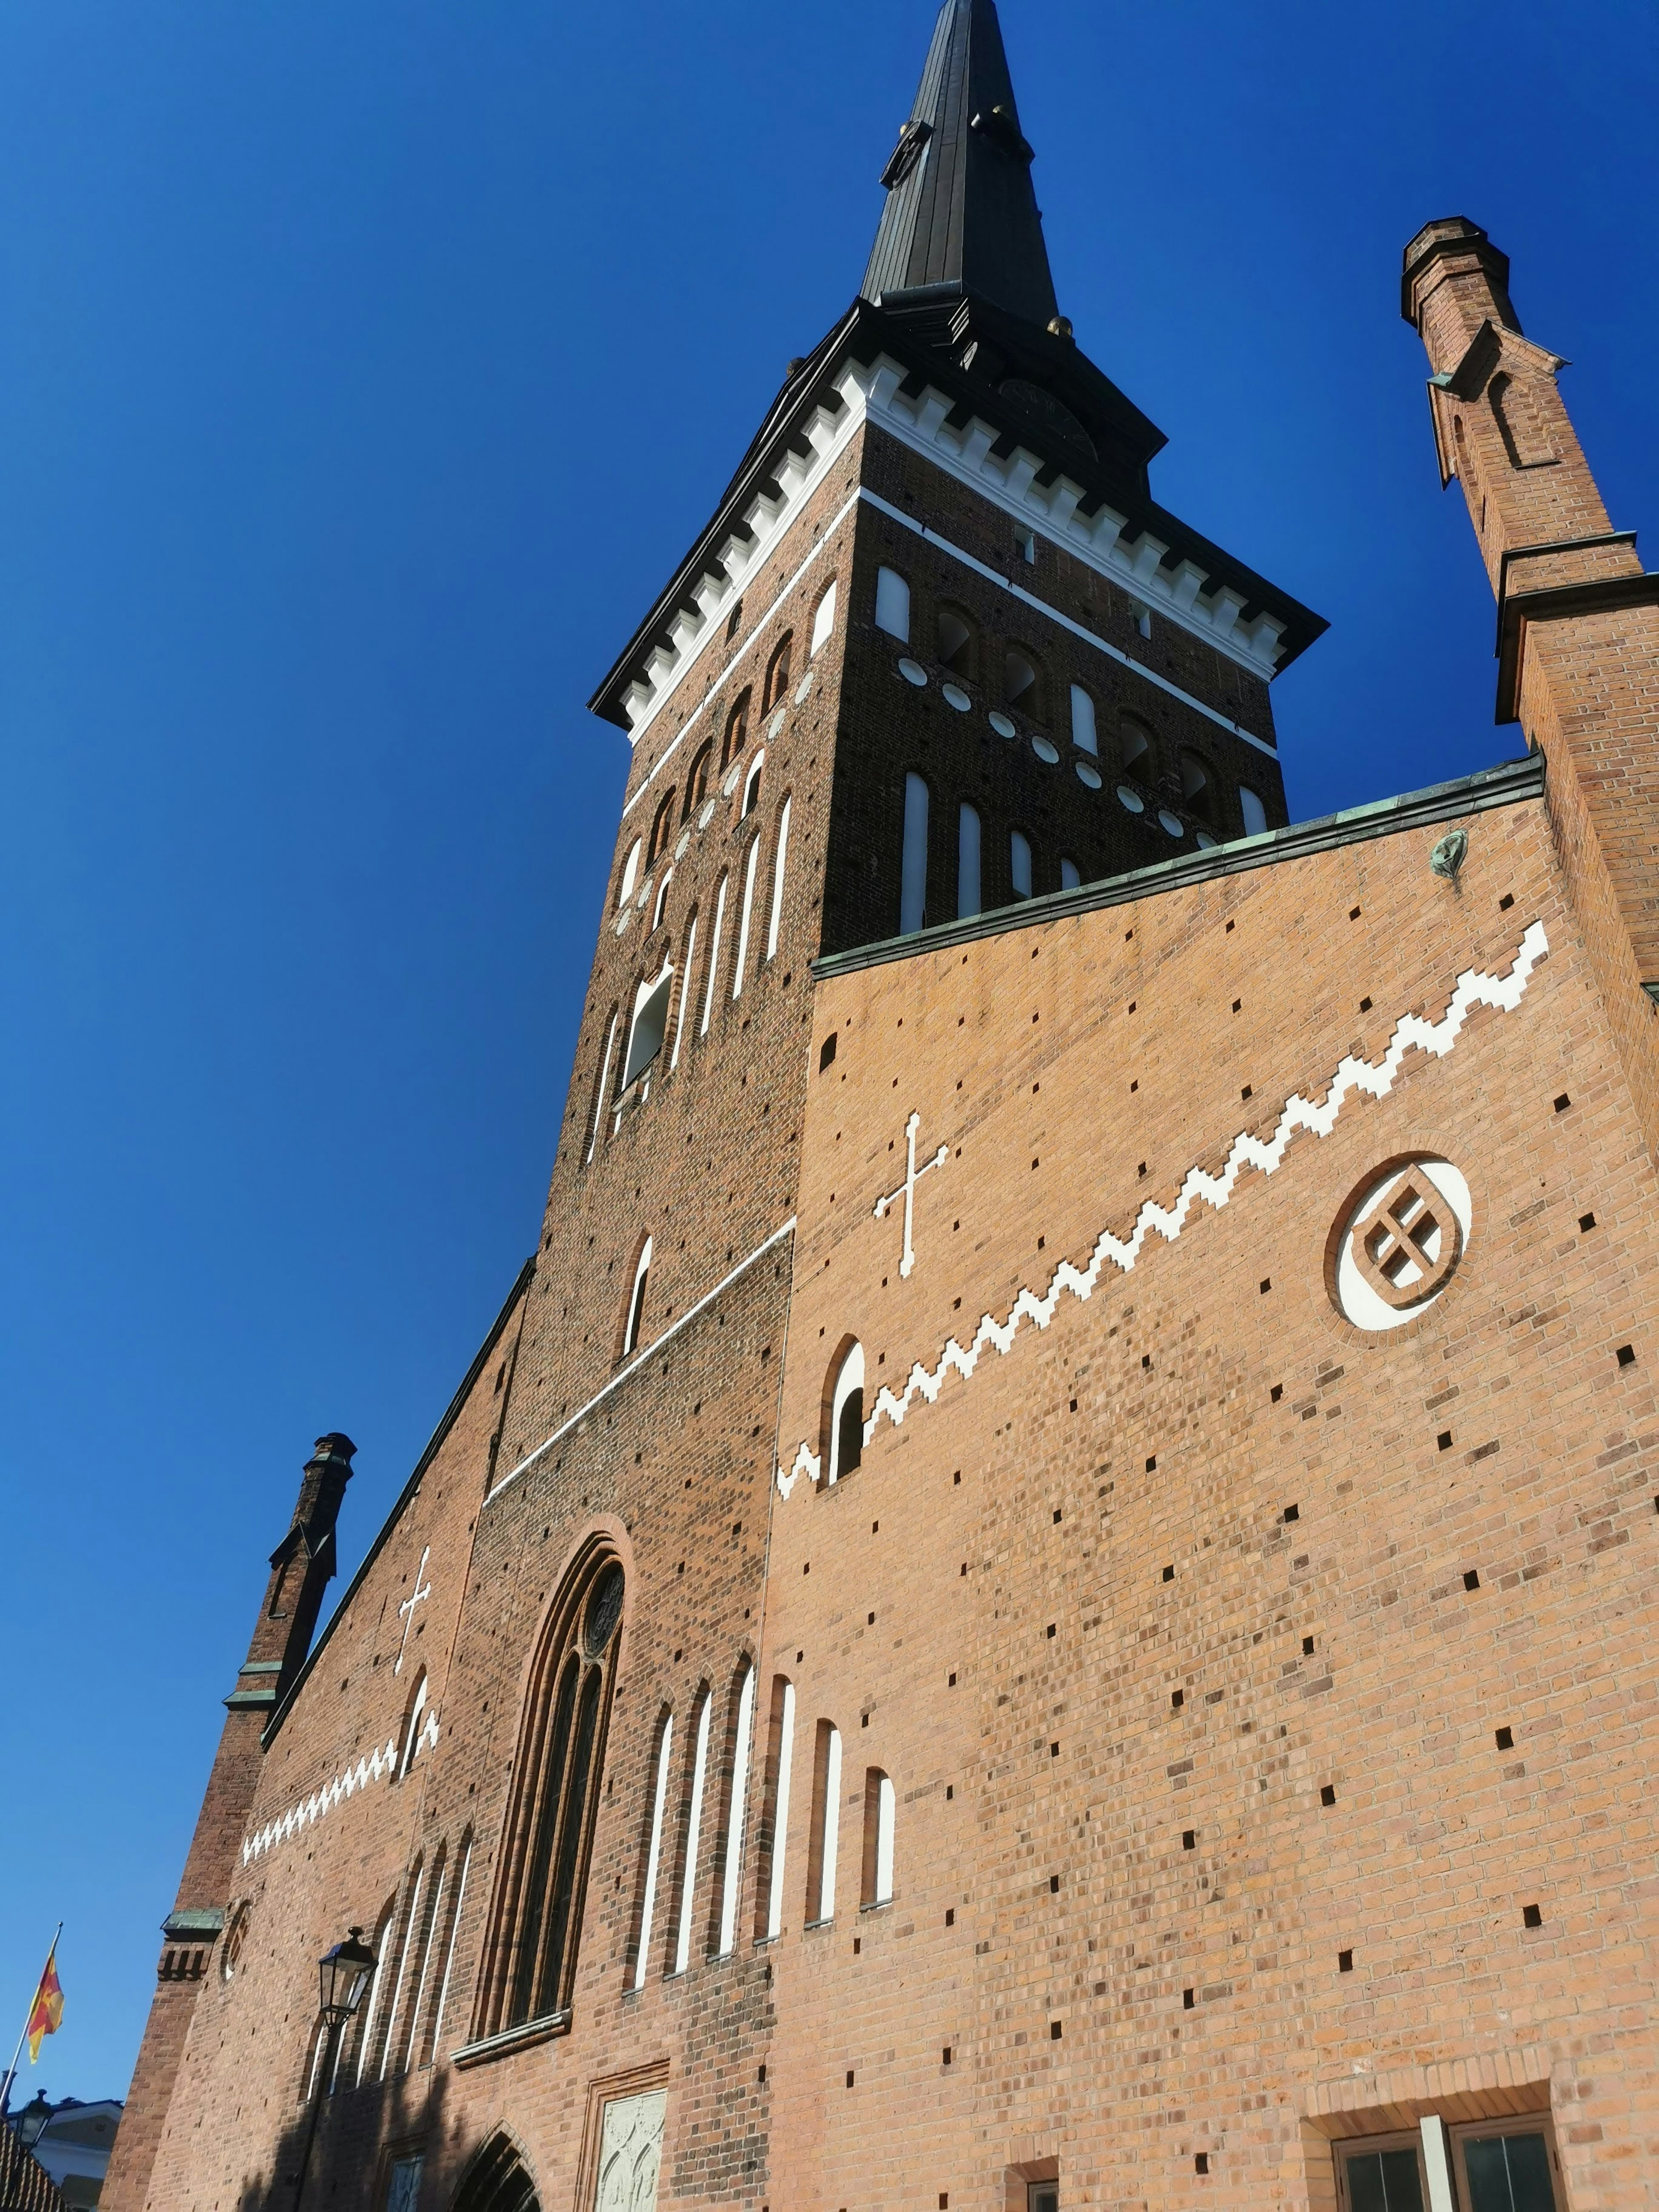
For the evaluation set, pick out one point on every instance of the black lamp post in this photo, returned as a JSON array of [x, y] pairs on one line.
[[342, 1976]]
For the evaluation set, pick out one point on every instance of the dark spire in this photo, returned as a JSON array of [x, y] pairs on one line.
[[960, 209]]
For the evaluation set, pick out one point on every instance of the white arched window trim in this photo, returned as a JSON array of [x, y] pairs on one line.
[[693, 1826], [602, 1099], [685, 993], [412, 1727], [714, 958], [650, 1023], [653, 1857], [850, 1378], [429, 1938], [372, 2007], [751, 786], [662, 899], [893, 605], [630, 874], [780, 1810], [732, 1872], [406, 1950], [824, 623], [449, 1953], [779, 863], [636, 1297], [744, 914]]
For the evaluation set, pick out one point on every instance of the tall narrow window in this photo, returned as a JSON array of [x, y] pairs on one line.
[[824, 623], [536, 1923], [880, 1806], [1019, 864], [661, 900], [696, 784], [1019, 683], [736, 732], [423, 1960], [1136, 740], [955, 643], [826, 1825], [1083, 736], [654, 1853], [912, 886], [781, 1759], [1254, 812], [637, 1299], [662, 829], [743, 914], [686, 988], [650, 1022], [1195, 788], [602, 1097], [630, 875], [893, 605], [369, 2019], [1070, 877], [777, 673], [844, 1444], [732, 1871], [780, 861], [714, 958], [693, 1834], [459, 1899], [751, 787], [968, 892], [413, 1719]]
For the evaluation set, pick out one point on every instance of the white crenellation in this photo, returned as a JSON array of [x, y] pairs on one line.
[[380, 1766], [1374, 1079]]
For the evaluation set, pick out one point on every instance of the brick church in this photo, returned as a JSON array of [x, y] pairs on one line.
[[1042, 1594]]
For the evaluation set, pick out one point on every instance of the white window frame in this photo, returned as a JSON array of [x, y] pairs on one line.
[[751, 786], [823, 621], [1247, 800], [685, 994], [848, 1378], [653, 1857], [893, 605], [829, 1841], [449, 1952], [886, 1817], [779, 863], [780, 1811], [689, 1891], [745, 915], [630, 874], [636, 1299], [603, 1100], [714, 958], [737, 1816], [1085, 734]]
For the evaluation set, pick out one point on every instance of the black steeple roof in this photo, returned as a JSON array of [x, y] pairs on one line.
[[961, 211]]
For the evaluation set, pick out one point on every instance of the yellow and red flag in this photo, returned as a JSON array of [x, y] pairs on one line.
[[48, 2010]]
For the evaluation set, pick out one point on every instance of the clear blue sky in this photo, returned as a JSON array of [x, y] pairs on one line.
[[364, 369]]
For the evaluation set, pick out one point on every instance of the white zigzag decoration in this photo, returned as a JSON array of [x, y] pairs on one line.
[[1375, 1078], [381, 1762]]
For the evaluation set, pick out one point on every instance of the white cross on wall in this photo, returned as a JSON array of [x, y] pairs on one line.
[[407, 1608], [907, 1189]]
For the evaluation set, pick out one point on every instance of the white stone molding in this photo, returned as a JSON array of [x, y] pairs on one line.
[[379, 1766], [1374, 1079]]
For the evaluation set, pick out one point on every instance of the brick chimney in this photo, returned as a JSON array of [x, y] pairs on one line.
[[300, 1568], [1577, 620]]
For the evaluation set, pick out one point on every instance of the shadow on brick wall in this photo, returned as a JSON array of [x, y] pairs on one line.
[[360, 2133]]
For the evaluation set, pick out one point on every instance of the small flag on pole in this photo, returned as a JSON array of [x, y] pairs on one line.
[[48, 2010]]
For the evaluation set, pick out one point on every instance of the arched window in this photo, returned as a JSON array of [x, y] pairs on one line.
[[662, 900], [736, 732], [1019, 863], [662, 829], [1195, 791], [955, 643], [826, 1825], [913, 878], [1254, 812], [414, 1715], [693, 1834], [1070, 876], [743, 914], [843, 1442], [737, 1806], [777, 672], [686, 988], [407, 1951], [1084, 735], [496, 2181], [780, 862], [967, 890], [823, 623], [368, 2017], [601, 1096], [536, 1921], [893, 605], [1136, 741], [425, 1956], [752, 785], [653, 1851], [630, 875], [780, 1759], [880, 1807], [713, 957], [447, 1967], [650, 1024], [1019, 682], [696, 784], [637, 1299]]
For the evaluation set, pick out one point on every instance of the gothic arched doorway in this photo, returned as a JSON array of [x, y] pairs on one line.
[[496, 2181]]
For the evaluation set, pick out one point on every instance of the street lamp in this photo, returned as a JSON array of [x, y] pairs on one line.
[[342, 1973]]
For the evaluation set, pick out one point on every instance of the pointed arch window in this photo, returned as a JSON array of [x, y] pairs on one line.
[[1019, 863], [844, 1444], [630, 874], [1084, 735], [777, 671], [780, 862], [696, 784], [913, 879], [686, 988], [736, 1811], [662, 829], [454, 1928], [637, 1299], [1252, 811], [893, 605], [751, 786], [745, 912], [780, 1761], [969, 900], [1195, 791], [650, 1024], [1136, 740], [823, 623], [714, 958], [955, 643], [1019, 682], [413, 1720], [536, 1921], [736, 732], [654, 1851], [693, 1835]]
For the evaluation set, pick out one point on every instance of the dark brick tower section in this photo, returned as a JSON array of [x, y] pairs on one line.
[[300, 1568], [1577, 619]]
